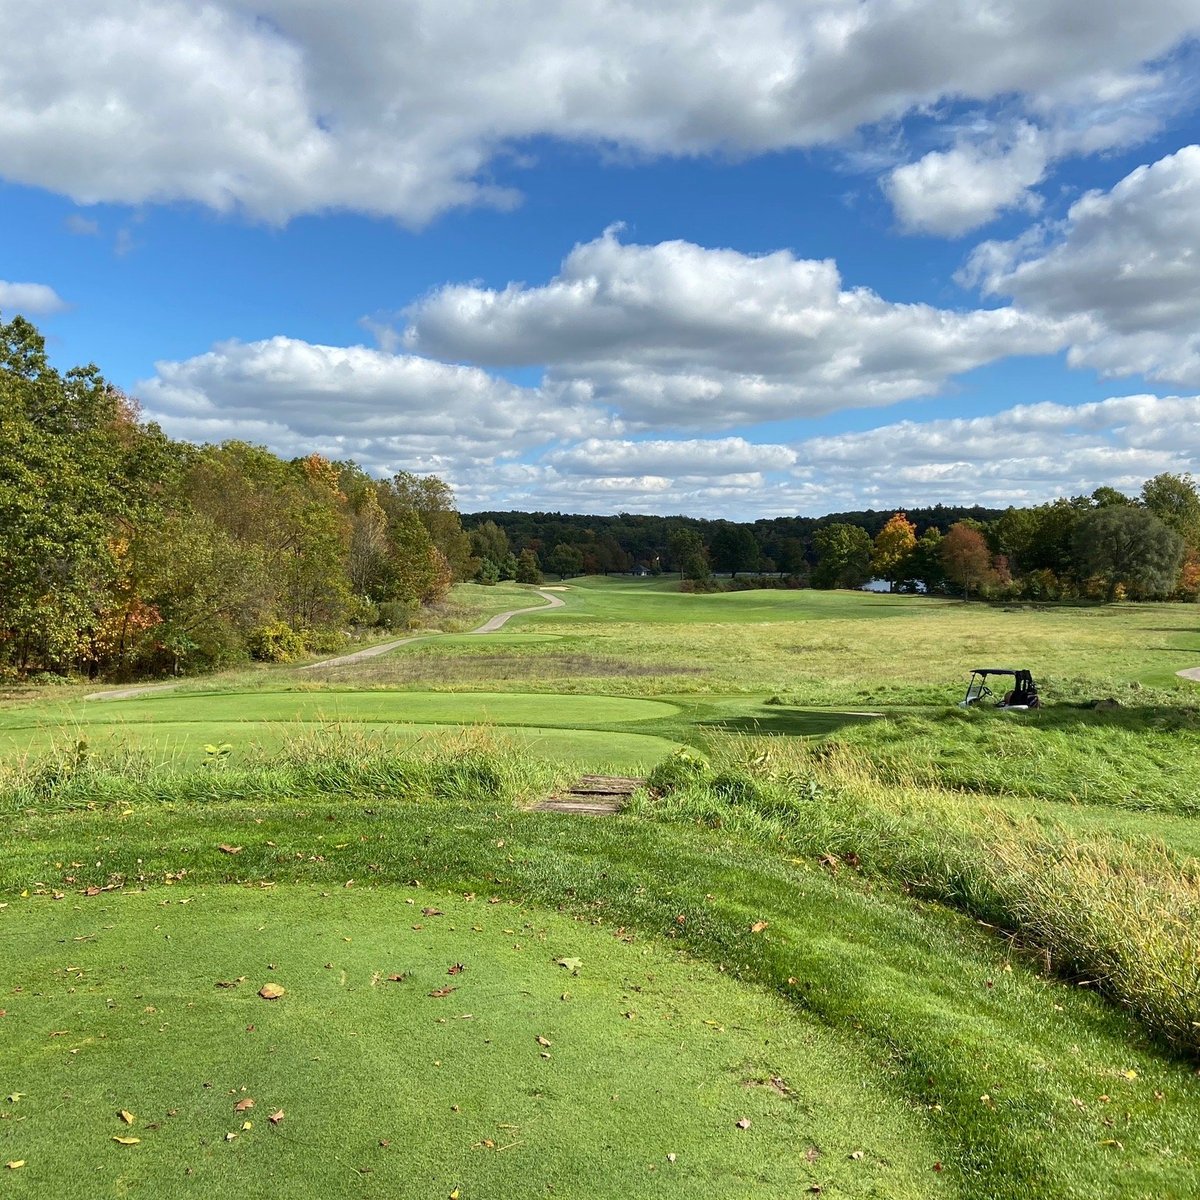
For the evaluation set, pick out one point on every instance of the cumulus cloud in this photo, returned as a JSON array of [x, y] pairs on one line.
[[280, 107], [387, 411], [1123, 268], [676, 334], [1027, 454], [29, 298], [952, 192]]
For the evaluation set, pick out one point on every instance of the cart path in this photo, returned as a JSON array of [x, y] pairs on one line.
[[489, 626], [1192, 673]]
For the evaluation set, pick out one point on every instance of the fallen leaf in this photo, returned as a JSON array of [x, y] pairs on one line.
[[1129, 1074], [744, 1123], [670, 1158], [454, 1194], [571, 964], [127, 1141], [14, 1097], [226, 848], [811, 1154], [276, 1116], [442, 992], [937, 1166], [229, 1137], [242, 1105], [541, 1041], [16, 1164], [457, 969], [856, 1155], [247, 1124], [397, 978], [126, 1116], [432, 912], [758, 926], [271, 991]]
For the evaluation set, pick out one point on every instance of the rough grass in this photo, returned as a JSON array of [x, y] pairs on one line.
[[1124, 918]]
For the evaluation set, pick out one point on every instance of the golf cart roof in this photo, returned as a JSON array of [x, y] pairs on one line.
[[998, 671]]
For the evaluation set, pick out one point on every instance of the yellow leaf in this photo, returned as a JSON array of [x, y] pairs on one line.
[[124, 1141], [454, 1194], [758, 926], [271, 991], [126, 1116], [16, 1164], [1129, 1074], [276, 1116], [247, 1124]]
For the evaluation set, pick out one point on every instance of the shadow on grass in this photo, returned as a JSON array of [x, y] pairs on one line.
[[784, 722]]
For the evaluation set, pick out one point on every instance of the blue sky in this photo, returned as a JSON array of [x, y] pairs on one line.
[[691, 257]]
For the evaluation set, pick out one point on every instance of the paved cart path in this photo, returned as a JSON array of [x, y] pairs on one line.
[[489, 626], [1192, 673]]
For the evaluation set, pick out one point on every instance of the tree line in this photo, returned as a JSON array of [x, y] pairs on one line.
[[1103, 546], [124, 552]]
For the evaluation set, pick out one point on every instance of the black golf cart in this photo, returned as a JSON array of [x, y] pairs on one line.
[[1023, 694]]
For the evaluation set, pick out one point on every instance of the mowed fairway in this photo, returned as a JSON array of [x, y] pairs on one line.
[[922, 953]]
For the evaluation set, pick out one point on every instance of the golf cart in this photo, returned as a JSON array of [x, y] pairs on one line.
[[1022, 696]]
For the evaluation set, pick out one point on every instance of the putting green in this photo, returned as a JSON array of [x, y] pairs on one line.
[[625, 1072], [554, 728]]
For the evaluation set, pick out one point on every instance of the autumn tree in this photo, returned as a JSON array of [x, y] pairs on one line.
[[966, 559], [891, 554]]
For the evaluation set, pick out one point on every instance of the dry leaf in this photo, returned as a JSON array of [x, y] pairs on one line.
[[271, 991], [856, 1155], [127, 1141], [457, 969], [758, 926], [541, 1041], [229, 1137], [226, 848], [670, 1158], [442, 992], [276, 1116], [247, 1124], [744, 1123], [397, 978], [432, 912], [242, 1105], [126, 1116], [16, 1164], [811, 1154], [571, 964]]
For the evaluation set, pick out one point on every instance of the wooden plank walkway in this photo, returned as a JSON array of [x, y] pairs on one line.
[[593, 795]]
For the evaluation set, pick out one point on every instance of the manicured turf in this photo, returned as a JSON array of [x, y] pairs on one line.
[[389, 1090]]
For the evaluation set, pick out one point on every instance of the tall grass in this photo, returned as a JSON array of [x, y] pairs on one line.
[[1120, 917], [473, 765]]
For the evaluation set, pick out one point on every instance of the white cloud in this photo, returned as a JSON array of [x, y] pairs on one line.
[[387, 411], [730, 457], [280, 107], [1027, 454], [29, 298], [677, 335], [952, 192], [1124, 268]]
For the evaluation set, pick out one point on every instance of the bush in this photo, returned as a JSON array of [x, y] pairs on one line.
[[398, 614], [276, 641]]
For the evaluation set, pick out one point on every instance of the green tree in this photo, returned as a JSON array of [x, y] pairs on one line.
[[1128, 548], [433, 501], [734, 548], [1173, 499], [490, 541], [565, 560], [843, 556], [688, 554], [529, 570]]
